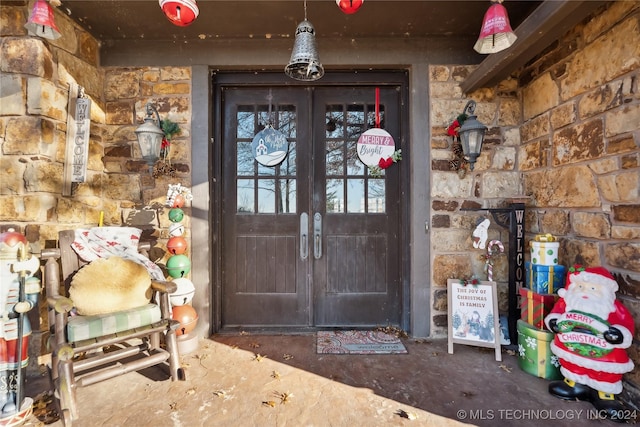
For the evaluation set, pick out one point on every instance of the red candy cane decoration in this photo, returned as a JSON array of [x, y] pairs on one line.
[[489, 263]]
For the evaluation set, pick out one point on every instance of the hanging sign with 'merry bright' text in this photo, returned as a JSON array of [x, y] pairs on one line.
[[375, 144]]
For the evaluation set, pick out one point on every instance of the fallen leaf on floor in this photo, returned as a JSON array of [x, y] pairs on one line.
[[284, 397], [467, 394], [506, 368], [275, 374], [219, 393], [393, 330], [421, 341], [511, 352], [191, 391], [44, 409], [254, 345], [173, 406], [407, 415], [434, 353], [287, 356], [244, 333], [234, 347], [259, 357], [185, 365], [269, 403]]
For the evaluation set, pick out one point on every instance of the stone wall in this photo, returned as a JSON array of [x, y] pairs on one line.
[[565, 139], [458, 195], [35, 77], [580, 150]]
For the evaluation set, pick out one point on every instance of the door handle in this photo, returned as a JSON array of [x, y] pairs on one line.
[[304, 235], [317, 235]]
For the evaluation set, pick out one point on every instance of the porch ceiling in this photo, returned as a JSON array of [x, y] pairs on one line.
[[536, 23], [224, 19]]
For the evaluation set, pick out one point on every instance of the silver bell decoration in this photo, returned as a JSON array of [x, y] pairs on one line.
[[304, 63]]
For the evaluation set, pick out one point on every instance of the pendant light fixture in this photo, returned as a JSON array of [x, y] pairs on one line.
[[496, 33], [41, 21], [304, 64]]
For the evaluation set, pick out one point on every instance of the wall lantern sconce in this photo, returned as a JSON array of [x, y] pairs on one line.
[[41, 21], [496, 33], [471, 134], [150, 136]]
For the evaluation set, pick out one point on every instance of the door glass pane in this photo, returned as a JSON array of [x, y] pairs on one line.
[[266, 196], [376, 197], [335, 195], [245, 120], [334, 121], [245, 196], [245, 161], [355, 121], [335, 158], [287, 120], [355, 195], [354, 164], [287, 199], [288, 165]]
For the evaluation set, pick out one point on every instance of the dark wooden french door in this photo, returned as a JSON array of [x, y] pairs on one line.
[[314, 241]]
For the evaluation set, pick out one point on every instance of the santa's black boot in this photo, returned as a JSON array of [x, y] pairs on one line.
[[609, 407], [570, 390]]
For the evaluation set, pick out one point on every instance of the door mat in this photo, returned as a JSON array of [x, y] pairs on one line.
[[358, 342]]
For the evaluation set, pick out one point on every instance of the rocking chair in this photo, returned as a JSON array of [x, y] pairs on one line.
[[89, 349]]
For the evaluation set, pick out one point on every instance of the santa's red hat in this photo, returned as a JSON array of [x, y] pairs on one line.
[[597, 275]]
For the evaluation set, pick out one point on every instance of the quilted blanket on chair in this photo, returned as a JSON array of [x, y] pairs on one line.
[[104, 242]]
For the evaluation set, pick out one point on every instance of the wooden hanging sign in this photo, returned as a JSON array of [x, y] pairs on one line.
[[77, 148]]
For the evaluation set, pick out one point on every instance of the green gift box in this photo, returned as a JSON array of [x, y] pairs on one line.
[[534, 352]]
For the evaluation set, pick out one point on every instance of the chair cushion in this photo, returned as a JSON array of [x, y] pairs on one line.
[[81, 328], [110, 284]]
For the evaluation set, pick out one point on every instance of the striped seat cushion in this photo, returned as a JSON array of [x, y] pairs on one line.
[[81, 328]]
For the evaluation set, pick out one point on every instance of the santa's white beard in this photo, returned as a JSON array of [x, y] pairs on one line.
[[600, 307]]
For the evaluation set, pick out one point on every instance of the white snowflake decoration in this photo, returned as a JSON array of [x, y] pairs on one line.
[[521, 350], [555, 361], [532, 342]]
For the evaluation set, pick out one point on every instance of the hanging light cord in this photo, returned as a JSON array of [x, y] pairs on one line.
[[305, 10]]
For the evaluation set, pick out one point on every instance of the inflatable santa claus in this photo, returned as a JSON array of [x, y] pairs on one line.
[[592, 329]]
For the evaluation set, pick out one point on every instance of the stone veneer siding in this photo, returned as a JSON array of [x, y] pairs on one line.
[[564, 138], [35, 76]]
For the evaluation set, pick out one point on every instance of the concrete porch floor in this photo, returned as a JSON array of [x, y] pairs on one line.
[[264, 380]]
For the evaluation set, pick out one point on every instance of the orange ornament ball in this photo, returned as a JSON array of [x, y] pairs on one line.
[[177, 245], [178, 201], [187, 316]]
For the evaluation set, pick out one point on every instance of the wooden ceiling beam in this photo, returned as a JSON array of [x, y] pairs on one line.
[[550, 21]]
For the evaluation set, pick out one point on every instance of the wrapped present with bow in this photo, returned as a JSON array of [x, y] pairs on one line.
[[534, 307], [544, 249], [544, 279]]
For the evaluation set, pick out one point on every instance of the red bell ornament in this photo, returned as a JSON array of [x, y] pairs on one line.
[[41, 21], [187, 316], [349, 6], [177, 245], [180, 12]]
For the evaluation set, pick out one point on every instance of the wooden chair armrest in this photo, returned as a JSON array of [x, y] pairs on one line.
[[59, 303], [164, 287]]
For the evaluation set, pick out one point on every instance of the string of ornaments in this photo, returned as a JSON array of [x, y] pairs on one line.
[[179, 264]]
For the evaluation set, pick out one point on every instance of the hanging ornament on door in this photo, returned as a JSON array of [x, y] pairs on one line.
[[270, 146], [349, 6], [376, 147]]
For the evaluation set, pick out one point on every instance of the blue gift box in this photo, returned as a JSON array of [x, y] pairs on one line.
[[544, 279]]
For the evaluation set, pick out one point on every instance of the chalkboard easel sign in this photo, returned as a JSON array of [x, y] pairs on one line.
[[473, 314]]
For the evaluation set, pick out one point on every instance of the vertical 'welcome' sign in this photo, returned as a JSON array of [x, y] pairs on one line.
[[77, 150]]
